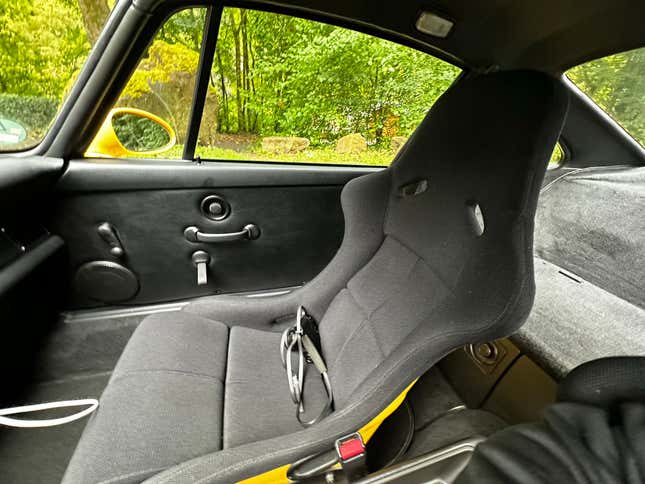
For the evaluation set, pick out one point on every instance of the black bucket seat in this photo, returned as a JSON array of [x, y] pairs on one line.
[[437, 253]]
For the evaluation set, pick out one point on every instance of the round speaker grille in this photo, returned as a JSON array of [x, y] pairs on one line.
[[106, 281]]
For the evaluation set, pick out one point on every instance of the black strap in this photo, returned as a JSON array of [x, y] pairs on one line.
[[304, 339]]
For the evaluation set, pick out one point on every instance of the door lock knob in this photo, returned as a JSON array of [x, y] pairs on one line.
[[201, 259], [216, 209]]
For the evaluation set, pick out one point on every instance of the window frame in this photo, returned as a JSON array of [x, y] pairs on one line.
[[204, 69], [589, 130], [67, 103], [605, 114], [117, 53], [128, 31]]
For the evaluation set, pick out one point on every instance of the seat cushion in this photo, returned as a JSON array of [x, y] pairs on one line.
[[257, 404], [186, 386], [162, 406]]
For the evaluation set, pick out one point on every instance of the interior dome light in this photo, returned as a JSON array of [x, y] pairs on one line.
[[432, 24]]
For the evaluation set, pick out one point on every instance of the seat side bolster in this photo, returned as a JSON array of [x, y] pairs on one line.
[[364, 202]]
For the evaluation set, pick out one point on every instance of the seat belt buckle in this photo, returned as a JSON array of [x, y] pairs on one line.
[[352, 455]]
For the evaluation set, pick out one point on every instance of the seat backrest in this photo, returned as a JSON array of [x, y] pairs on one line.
[[435, 270]]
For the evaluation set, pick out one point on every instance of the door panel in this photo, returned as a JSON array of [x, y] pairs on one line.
[[297, 211]]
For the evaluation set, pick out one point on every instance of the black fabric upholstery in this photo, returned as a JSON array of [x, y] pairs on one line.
[[163, 404], [603, 208], [605, 382], [576, 444], [256, 403], [595, 434], [590, 247], [571, 319], [414, 277]]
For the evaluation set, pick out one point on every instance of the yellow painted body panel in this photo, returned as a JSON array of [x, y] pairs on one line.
[[279, 475]]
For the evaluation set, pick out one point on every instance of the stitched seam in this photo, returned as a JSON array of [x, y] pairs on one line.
[[349, 338], [383, 234], [240, 465], [364, 311], [131, 474], [132, 373], [393, 294], [432, 269], [370, 325]]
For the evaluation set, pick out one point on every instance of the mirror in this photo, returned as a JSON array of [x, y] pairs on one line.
[[130, 132]]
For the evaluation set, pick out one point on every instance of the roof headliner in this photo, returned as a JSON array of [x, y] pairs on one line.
[[547, 35]]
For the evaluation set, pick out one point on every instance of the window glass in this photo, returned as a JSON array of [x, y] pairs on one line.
[[42, 48], [617, 84], [150, 119], [289, 89], [557, 157]]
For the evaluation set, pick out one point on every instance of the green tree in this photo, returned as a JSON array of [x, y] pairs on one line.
[[42, 46], [617, 84]]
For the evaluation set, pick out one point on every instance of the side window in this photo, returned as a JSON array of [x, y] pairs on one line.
[[558, 157], [42, 48], [617, 84], [150, 119], [289, 89]]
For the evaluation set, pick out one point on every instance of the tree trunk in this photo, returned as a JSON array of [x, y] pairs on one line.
[[238, 77], [245, 69], [224, 126], [95, 13]]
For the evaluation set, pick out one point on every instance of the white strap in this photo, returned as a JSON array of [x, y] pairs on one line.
[[13, 422]]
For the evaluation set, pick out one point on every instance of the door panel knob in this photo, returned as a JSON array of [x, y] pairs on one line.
[[215, 207], [109, 235]]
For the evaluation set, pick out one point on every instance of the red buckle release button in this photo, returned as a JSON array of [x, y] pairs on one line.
[[350, 448]]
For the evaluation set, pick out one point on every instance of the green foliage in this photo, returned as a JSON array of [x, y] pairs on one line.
[[139, 134], [42, 46], [280, 75], [557, 157], [272, 75], [617, 84], [31, 112], [163, 83]]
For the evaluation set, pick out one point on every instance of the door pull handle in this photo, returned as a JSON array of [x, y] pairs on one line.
[[249, 232]]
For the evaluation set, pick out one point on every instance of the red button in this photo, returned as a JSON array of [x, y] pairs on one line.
[[351, 448]]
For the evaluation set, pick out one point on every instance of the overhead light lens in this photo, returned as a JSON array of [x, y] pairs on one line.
[[432, 24]]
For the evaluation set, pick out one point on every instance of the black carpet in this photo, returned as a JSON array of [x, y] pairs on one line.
[[41, 455], [75, 361]]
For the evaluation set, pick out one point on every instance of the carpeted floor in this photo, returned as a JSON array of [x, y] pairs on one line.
[[441, 418], [40, 455], [75, 362]]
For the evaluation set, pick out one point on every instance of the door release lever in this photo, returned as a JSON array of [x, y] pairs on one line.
[[109, 235], [249, 232], [201, 260]]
